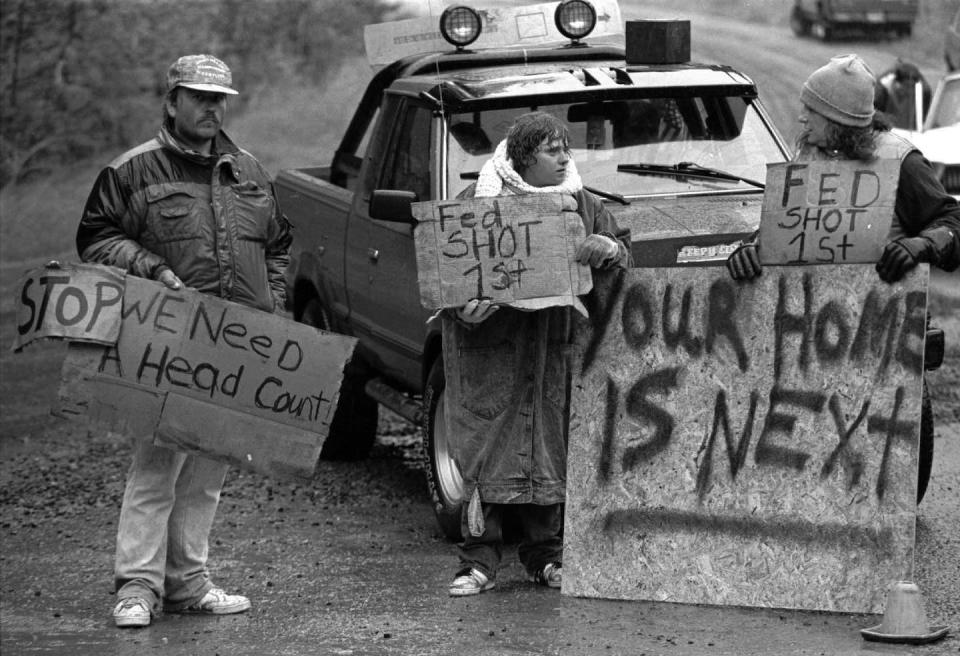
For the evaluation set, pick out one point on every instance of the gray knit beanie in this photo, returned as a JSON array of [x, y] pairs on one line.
[[842, 91]]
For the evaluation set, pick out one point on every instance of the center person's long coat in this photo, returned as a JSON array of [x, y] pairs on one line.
[[507, 392]]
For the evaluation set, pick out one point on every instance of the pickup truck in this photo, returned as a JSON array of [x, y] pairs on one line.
[[675, 149], [827, 19]]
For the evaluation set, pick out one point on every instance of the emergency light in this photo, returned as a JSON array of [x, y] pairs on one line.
[[460, 25], [575, 19]]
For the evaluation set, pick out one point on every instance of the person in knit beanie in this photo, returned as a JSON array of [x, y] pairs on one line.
[[839, 122]]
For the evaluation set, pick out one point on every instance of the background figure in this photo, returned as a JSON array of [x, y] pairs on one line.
[[839, 122], [507, 373], [895, 94], [186, 208]]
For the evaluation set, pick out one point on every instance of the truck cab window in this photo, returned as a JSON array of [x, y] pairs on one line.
[[407, 166]]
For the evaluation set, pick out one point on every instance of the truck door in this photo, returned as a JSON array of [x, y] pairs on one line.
[[382, 266]]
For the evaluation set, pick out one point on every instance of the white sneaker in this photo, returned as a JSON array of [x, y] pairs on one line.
[[131, 612], [218, 602], [469, 582]]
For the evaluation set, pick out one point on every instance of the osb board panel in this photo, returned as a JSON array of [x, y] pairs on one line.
[[504, 248], [827, 212], [250, 369], [746, 444]]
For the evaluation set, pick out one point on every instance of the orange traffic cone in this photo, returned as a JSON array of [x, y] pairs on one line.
[[904, 618]]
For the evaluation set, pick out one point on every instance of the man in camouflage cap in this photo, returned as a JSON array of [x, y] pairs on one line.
[[187, 208]]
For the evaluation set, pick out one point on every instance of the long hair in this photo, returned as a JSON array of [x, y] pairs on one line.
[[853, 142], [528, 132]]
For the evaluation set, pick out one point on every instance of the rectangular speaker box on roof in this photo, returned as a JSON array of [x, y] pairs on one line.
[[658, 41]]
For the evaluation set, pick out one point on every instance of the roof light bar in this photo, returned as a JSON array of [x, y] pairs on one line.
[[460, 26], [575, 19]]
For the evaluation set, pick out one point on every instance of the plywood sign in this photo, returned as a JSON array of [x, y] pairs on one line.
[[746, 444], [827, 212], [204, 375], [502, 248]]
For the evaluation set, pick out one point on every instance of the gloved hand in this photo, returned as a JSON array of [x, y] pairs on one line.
[[744, 263], [476, 310], [169, 278], [597, 250], [901, 255]]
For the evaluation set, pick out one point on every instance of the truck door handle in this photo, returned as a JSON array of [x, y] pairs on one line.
[[373, 254]]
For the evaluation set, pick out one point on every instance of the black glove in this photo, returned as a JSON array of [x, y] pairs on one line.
[[744, 263], [902, 255]]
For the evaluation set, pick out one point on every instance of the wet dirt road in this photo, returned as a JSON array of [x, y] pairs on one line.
[[353, 563]]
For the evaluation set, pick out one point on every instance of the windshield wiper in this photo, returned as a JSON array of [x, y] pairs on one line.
[[473, 175], [690, 169]]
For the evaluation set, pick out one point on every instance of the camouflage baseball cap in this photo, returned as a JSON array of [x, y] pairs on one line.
[[201, 72]]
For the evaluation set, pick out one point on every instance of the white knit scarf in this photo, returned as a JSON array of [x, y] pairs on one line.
[[498, 178]]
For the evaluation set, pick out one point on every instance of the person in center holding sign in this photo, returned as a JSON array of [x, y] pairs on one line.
[[507, 375], [187, 208], [839, 122]]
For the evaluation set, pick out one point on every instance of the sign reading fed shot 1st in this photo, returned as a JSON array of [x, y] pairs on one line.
[[502, 248], [827, 211]]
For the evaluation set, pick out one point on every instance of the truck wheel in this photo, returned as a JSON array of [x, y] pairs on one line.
[[798, 23], [925, 455], [441, 468], [354, 426]]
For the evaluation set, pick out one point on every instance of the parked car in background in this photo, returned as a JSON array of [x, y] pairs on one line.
[[939, 135], [826, 19], [951, 44]]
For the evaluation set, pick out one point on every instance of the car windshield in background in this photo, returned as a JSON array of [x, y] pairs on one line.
[[678, 139], [948, 109]]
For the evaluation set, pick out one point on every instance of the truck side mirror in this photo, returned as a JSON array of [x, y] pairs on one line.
[[392, 205]]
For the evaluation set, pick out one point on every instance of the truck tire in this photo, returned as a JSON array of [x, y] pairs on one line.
[[798, 22], [925, 454], [354, 426], [442, 471]]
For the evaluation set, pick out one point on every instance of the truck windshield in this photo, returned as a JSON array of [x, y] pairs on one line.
[[722, 133]]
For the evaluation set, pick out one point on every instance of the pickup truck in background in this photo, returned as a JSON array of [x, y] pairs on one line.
[[677, 150], [826, 19]]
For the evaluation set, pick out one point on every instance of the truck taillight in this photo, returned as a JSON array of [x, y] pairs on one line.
[[575, 19], [460, 25]]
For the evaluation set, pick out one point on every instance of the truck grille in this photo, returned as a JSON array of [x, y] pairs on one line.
[[951, 179]]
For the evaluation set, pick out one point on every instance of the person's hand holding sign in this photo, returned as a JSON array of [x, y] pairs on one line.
[[597, 250], [476, 310], [901, 255], [744, 263], [169, 278]]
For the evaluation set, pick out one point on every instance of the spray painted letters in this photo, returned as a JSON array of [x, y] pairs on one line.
[[747, 444]]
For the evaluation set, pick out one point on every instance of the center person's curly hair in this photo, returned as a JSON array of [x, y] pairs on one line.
[[528, 132]]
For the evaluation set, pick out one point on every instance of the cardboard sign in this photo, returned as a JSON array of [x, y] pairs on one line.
[[504, 248], [79, 302], [502, 27], [204, 375], [827, 212], [746, 444]]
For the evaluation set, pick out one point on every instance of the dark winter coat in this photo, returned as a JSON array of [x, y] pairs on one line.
[[214, 220]]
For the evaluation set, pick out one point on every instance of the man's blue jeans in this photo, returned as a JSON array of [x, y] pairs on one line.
[[168, 509]]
